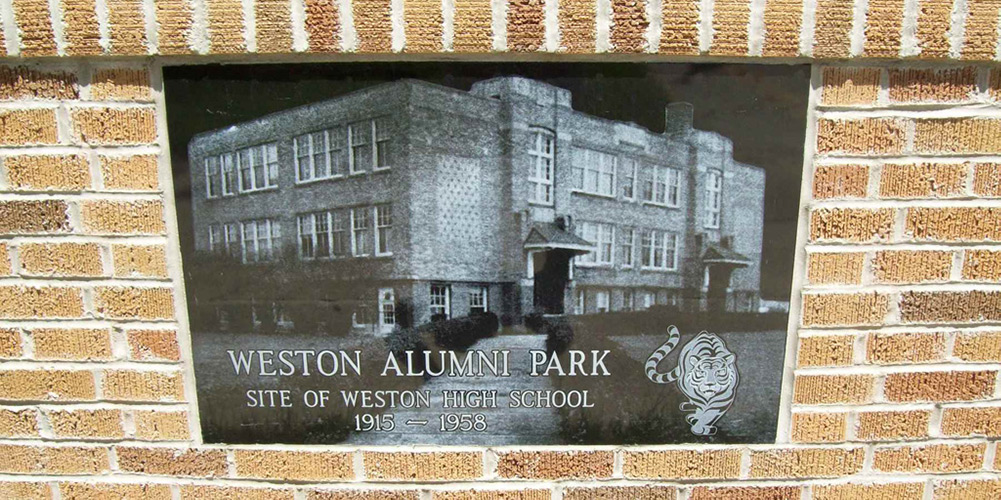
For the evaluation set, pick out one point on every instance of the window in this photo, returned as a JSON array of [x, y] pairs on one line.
[[578, 305], [314, 235], [387, 308], [714, 198], [660, 250], [360, 142], [663, 187], [629, 179], [213, 179], [339, 230], [361, 225], [478, 300], [602, 235], [321, 223], [648, 299], [383, 229], [601, 300], [307, 237], [440, 301], [215, 238], [628, 242], [594, 172], [233, 244], [258, 166], [382, 135], [260, 240], [541, 177], [628, 300], [229, 181]]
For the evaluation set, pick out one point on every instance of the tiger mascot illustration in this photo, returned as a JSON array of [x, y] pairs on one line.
[[706, 374]]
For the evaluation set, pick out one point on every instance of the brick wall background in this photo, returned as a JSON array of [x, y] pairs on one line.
[[892, 389]]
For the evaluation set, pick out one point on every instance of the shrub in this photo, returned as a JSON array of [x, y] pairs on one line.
[[559, 334], [461, 333]]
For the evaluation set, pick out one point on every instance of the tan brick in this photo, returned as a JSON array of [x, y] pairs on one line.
[[806, 462], [848, 86], [745, 493], [373, 25], [883, 26], [730, 27], [835, 268], [987, 179], [519, 494], [47, 385], [40, 302], [860, 136], [555, 464], [133, 261], [950, 307], [127, 385], [123, 217], [134, 303], [818, 427], [112, 491], [967, 489], [577, 26], [472, 25], [968, 422], [930, 458], [871, 491], [24, 83], [114, 126], [93, 424], [934, 22], [35, 28], [978, 346], [161, 425], [829, 389], [47, 172], [892, 425], [294, 465], [205, 492], [72, 343], [844, 309], [18, 423], [954, 223], [957, 135], [629, 25], [33, 216], [225, 26], [273, 19], [933, 85], [982, 265], [126, 27], [153, 345], [923, 180], [358, 494], [851, 224], [31, 459], [981, 30], [174, 22], [130, 173], [172, 461], [680, 29], [894, 348], [649, 492], [940, 386], [81, 32], [783, 20], [5, 264], [437, 466], [23, 490], [121, 84], [911, 266], [10, 343], [25, 127], [840, 181], [833, 28], [61, 259], [323, 26], [681, 464], [827, 350], [424, 25]]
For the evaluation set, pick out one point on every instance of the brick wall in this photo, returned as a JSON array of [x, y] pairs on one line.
[[894, 389]]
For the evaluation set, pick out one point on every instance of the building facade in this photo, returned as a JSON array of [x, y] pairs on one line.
[[501, 199]]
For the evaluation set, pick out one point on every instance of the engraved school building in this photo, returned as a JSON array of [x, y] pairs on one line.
[[502, 199]]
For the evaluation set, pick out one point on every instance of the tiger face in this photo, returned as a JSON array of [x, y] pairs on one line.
[[710, 376]]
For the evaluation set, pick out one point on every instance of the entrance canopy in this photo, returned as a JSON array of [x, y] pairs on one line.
[[716, 254], [549, 236]]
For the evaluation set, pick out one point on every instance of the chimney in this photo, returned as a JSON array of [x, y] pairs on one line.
[[678, 118]]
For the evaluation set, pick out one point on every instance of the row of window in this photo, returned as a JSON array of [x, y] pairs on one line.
[[250, 241], [242, 171], [346, 232], [658, 249], [441, 300], [632, 300]]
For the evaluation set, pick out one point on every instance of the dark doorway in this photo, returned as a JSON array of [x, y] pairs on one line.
[[719, 282], [552, 273]]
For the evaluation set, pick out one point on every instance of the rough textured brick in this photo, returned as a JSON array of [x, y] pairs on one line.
[[847, 86], [954, 223], [40, 302], [61, 259], [930, 458], [438, 466], [827, 350], [33, 216], [745, 493], [114, 126], [730, 26], [5, 264], [884, 23], [981, 30], [830, 389], [950, 307], [126, 27], [112, 491], [835, 268], [681, 464], [978, 346], [933, 85], [885, 491], [555, 464], [939, 386], [526, 30], [134, 303], [53, 460], [206, 492], [35, 27], [47, 172], [964, 489], [80, 28], [123, 217], [225, 18], [851, 224], [130, 173], [293, 465], [472, 28], [892, 425], [806, 462], [861, 136], [357, 494], [424, 25], [651, 492], [519, 494], [840, 181], [373, 25], [23, 490], [957, 135], [23, 83], [680, 27], [94, 424], [139, 261], [844, 309], [911, 266], [274, 26], [161, 425], [22, 127], [783, 21], [153, 345], [577, 26], [172, 461], [893, 348], [987, 179], [923, 180], [72, 343], [982, 265], [46, 385], [10, 343], [629, 25], [120, 84], [934, 20], [127, 385], [174, 19], [18, 423], [833, 29], [968, 422], [323, 26], [818, 427]]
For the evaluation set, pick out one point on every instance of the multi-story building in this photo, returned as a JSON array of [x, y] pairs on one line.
[[502, 198]]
